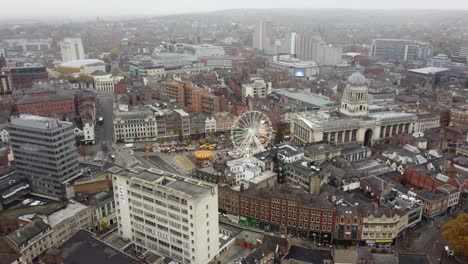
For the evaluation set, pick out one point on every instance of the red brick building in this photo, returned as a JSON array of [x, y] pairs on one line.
[[419, 176], [289, 211], [56, 104]]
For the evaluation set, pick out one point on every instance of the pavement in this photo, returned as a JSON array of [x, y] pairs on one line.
[[103, 133]]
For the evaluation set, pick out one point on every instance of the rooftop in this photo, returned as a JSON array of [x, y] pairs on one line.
[[294, 63], [28, 99], [345, 256], [70, 211], [357, 79], [81, 63], [84, 248], [306, 255], [38, 122], [28, 231], [307, 97], [302, 197], [40, 209], [447, 188], [430, 196], [189, 186], [429, 70]]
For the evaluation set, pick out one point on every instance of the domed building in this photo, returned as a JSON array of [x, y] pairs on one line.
[[351, 122], [354, 101]]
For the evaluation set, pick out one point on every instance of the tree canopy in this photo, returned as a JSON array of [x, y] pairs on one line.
[[455, 233]]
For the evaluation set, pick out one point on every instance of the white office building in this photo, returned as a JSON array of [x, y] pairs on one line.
[[204, 50], [257, 87], [329, 55], [72, 49], [400, 49], [295, 67], [167, 214], [440, 61]]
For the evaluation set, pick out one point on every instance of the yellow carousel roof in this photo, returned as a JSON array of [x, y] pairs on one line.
[[203, 154]]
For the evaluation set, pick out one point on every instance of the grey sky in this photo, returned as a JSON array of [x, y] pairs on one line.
[[63, 8]]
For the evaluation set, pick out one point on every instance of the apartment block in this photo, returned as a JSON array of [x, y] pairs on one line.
[[196, 100]]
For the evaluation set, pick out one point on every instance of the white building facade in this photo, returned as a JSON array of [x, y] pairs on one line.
[[72, 49], [167, 214], [4, 136], [105, 83], [354, 124], [256, 88], [134, 124]]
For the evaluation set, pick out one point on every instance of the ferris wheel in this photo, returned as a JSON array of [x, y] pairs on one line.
[[251, 133]]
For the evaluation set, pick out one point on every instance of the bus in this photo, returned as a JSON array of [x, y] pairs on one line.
[[128, 146]]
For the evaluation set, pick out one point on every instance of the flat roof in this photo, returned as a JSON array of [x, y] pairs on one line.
[[70, 211], [38, 122], [429, 70], [46, 209], [84, 248], [307, 255], [309, 98], [189, 186], [77, 64]]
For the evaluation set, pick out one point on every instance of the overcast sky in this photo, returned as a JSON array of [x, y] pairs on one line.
[[148, 7]]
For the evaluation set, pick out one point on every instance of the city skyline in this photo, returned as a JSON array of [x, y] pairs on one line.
[[146, 7]]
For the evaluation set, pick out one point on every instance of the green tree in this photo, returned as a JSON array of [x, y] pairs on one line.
[[197, 134], [104, 225], [116, 72], [180, 136], [114, 53], [83, 78], [455, 232], [278, 137]]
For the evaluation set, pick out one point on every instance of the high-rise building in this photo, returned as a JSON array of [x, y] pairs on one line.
[[288, 44], [3, 53], [329, 55], [72, 49], [464, 48], [167, 214], [400, 49], [45, 153], [307, 46], [263, 36]]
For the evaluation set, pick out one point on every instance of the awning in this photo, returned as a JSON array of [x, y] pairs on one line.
[[384, 241]]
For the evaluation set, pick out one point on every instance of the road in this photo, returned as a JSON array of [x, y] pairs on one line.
[[427, 239], [106, 104]]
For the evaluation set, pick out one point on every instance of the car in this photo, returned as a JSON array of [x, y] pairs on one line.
[[112, 156]]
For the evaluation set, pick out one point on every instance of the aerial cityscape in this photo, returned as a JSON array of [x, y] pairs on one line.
[[205, 132]]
